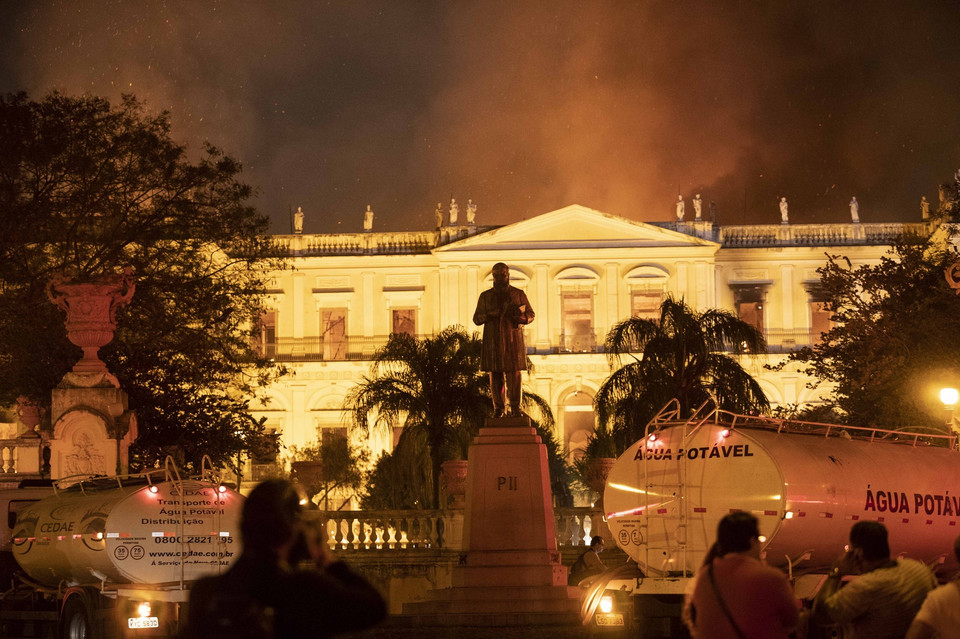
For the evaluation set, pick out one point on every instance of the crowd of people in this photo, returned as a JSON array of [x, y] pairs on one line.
[[870, 595]]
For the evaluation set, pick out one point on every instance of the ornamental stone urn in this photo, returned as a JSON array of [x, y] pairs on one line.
[[91, 308], [453, 482]]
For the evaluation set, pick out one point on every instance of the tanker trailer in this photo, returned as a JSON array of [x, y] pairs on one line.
[[806, 483], [116, 556]]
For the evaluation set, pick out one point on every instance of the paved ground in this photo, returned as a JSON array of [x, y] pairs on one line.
[[465, 632]]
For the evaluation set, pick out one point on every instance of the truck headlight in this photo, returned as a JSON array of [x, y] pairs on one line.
[[606, 604]]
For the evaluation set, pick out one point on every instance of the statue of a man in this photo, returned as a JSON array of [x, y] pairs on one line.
[[439, 215], [368, 219], [680, 208], [854, 210], [784, 214], [298, 221], [471, 212], [503, 311], [697, 207], [924, 208]]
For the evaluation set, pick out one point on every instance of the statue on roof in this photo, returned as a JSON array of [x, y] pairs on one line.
[[439, 214], [854, 210], [680, 208], [697, 207], [298, 221], [454, 212], [784, 211], [471, 212], [924, 208], [368, 219]]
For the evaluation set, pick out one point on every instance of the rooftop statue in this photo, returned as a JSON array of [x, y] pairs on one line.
[[454, 212], [697, 206], [784, 214], [680, 208], [854, 211], [471, 212], [368, 219], [298, 221]]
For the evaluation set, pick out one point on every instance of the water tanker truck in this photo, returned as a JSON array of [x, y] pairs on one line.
[[115, 557], [806, 483]]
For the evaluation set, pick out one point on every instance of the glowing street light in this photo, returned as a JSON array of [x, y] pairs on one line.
[[949, 397]]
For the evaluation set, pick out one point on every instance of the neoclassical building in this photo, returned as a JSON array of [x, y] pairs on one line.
[[582, 270]]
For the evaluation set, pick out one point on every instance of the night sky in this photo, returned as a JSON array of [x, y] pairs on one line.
[[526, 107]]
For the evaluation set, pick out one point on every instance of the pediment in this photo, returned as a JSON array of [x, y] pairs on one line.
[[577, 227]]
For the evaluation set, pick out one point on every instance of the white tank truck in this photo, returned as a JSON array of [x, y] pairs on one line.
[[807, 484], [115, 557]]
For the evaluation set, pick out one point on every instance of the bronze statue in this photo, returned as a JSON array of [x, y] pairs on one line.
[[503, 311]]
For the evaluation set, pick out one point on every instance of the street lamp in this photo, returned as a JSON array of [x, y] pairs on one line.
[[949, 398]]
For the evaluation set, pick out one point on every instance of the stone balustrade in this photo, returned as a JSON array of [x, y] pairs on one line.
[[398, 531], [759, 235], [20, 456]]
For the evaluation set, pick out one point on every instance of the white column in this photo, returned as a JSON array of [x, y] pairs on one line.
[[786, 289], [367, 309], [297, 295], [542, 309], [611, 313]]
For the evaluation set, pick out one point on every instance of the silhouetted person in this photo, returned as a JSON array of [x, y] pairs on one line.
[[736, 595], [939, 615], [883, 599], [503, 311], [588, 563], [268, 593]]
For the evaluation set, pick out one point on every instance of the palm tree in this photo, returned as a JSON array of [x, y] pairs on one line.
[[685, 355], [432, 386]]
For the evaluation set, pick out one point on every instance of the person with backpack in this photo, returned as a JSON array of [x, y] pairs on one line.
[[268, 593], [588, 563]]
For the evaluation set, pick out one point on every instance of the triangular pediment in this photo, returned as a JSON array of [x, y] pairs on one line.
[[576, 227]]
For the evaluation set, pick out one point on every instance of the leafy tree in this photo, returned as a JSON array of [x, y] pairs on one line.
[[893, 343], [88, 188], [341, 463], [431, 385], [434, 388], [683, 355], [400, 480]]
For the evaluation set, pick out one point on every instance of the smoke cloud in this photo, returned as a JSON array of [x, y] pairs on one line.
[[526, 107]]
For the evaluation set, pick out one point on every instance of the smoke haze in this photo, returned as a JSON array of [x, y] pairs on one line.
[[526, 107]]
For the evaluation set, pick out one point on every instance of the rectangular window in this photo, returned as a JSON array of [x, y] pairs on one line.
[[820, 321], [333, 333], [577, 313], [404, 321], [645, 303], [265, 341], [749, 302]]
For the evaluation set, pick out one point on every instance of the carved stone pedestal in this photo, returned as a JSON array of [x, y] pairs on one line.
[[92, 427], [511, 573]]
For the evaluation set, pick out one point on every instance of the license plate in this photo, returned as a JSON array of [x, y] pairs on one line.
[[609, 619], [143, 622]]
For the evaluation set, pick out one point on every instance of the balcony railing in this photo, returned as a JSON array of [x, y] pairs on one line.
[[362, 532]]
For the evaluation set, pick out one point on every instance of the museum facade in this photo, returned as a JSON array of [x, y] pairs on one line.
[[582, 270]]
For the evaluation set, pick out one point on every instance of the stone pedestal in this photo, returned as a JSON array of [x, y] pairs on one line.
[[510, 573], [92, 426]]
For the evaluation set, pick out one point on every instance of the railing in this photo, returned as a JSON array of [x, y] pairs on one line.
[[412, 530], [389, 243], [761, 235], [21, 456]]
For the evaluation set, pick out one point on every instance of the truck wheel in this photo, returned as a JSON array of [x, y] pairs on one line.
[[75, 623]]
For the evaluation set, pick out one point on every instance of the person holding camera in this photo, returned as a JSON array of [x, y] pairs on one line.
[[285, 584], [886, 594]]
